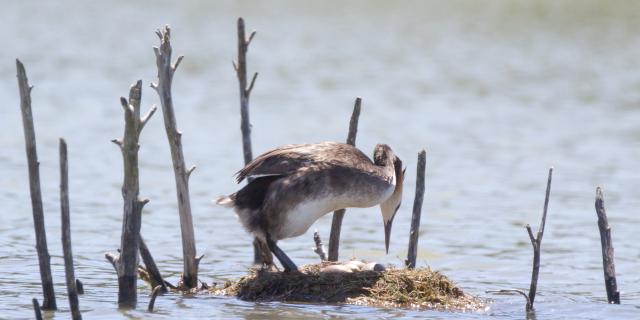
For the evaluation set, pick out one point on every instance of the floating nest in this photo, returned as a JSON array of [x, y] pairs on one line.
[[417, 289]]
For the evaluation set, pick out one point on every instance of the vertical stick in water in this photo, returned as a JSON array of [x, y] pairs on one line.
[[66, 233], [412, 253], [338, 215], [166, 69], [245, 91], [259, 251], [613, 295], [49, 299], [126, 264], [536, 242]]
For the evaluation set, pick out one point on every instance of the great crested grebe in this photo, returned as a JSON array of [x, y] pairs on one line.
[[292, 186]]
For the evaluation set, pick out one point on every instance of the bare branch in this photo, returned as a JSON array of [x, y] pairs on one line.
[[165, 78], [190, 170], [147, 116], [127, 262], [154, 294], [235, 67], [66, 233], [155, 278], [537, 243], [49, 298], [514, 291], [114, 259], [353, 123], [253, 33], [117, 142], [259, 253], [124, 103], [608, 265], [253, 81], [412, 253], [177, 63], [199, 258], [531, 236], [546, 204]]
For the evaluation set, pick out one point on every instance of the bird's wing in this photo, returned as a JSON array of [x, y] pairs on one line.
[[287, 159], [279, 161]]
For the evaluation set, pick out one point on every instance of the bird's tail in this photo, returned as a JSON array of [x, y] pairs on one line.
[[225, 201]]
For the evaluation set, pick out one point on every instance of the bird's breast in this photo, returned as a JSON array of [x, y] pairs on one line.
[[297, 220]]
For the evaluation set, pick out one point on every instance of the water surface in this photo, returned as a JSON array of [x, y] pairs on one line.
[[495, 91]]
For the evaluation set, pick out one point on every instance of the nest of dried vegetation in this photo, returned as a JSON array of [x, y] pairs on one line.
[[418, 289]]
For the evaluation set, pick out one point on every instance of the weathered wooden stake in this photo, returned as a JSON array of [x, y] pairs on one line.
[[163, 87], [66, 233], [412, 254], [338, 215], [608, 265], [536, 242], [245, 124], [126, 264], [49, 299]]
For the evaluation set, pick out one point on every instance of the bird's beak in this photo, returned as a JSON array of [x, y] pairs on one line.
[[387, 232]]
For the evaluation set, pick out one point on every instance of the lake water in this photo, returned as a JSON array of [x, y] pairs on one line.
[[495, 91]]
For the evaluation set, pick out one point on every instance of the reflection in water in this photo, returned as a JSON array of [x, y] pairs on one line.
[[495, 91]]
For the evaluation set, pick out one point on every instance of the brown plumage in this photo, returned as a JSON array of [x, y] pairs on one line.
[[292, 186]]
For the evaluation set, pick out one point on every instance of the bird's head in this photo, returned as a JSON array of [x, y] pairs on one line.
[[384, 156]]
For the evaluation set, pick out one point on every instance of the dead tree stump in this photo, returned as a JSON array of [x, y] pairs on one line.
[[126, 264]]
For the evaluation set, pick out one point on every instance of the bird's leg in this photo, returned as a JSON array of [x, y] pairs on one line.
[[264, 253], [287, 264]]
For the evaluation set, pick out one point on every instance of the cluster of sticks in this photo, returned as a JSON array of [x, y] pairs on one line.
[[613, 295], [74, 286], [126, 261]]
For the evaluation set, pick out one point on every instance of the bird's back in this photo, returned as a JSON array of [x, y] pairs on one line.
[[288, 159]]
